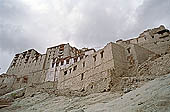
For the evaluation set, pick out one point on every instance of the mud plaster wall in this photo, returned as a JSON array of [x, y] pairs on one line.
[[142, 54], [37, 77], [94, 71], [156, 40], [60, 51], [158, 45], [26, 63]]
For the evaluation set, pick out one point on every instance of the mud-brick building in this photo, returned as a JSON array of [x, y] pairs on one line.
[[87, 69], [156, 40], [95, 72]]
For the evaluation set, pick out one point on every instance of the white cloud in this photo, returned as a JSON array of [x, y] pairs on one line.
[[39, 24]]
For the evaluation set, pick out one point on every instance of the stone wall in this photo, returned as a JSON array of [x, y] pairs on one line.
[[26, 63], [156, 40], [60, 51], [94, 69]]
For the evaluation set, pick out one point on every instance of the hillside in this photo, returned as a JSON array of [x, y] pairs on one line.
[[152, 96]]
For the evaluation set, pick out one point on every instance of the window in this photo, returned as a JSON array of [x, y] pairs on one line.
[[18, 79], [25, 79], [102, 53], [57, 63], [137, 40], [82, 76], [53, 64], [128, 49], [81, 57], [62, 63], [94, 57], [145, 38], [65, 72], [84, 64], [75, 67], [67, 61], [70, 69], [75, 59]]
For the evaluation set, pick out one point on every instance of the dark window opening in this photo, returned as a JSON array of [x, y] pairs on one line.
[[70, 69], [25, 80], [81, 57], [75, 67], [18, 79], [65, 72], [155, 42], [137, 40], [91, 86], [102, 53], [53, 65], [67, 61], [83, 64], [62, 63], [145, 38], [128, 49], [82, 76], [75, 59], [163, 31], [82, 90], [94, 57], [57, 63]]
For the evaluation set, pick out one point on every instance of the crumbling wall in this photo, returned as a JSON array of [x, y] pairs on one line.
[[37, 77], [6, 83], [26, 63], [156, 40], [92, 71], [48, 87]]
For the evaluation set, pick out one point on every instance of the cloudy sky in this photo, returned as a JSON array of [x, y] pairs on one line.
[[38, 24]]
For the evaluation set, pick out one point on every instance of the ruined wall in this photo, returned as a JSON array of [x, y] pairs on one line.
[[6, 83], [26, 63], [93, 70], [156, 40], [136, 54], [20, 82]]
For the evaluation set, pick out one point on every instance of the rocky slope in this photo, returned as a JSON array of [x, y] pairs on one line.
[[154, 96]]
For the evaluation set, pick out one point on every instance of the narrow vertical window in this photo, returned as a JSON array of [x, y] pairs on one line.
[[82, 76], [84, 64], [53, 65], [102, 53], [70, 69], [67, 61], [94, 57], [62, 62], [75, 67], [128, 49]]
